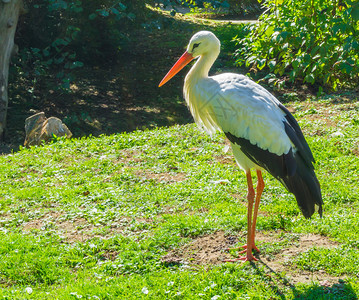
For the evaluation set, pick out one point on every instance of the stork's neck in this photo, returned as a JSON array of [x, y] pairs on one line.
[[201, 67]]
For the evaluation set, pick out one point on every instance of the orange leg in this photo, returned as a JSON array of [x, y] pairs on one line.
[[251, 226], [260, 188], [249, 245]]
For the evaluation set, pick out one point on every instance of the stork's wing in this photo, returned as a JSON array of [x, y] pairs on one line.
[[233, 103]]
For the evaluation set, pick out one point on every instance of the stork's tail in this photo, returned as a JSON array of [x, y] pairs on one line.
[[305, 187]]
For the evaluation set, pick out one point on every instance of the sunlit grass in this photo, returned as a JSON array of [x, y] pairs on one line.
[[92, 218]]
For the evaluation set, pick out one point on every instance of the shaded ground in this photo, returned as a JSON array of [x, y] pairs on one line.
[[120, 95], [105, 101]]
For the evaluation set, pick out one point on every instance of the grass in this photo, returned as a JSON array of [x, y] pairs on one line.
[[93, 218]]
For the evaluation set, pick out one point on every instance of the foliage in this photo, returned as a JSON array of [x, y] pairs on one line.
[[244, 7], [230, 7], [63, 35], [207, 5], [311, 40], [95, 218]]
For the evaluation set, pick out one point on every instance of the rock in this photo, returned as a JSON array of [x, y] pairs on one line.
[[40, 130]]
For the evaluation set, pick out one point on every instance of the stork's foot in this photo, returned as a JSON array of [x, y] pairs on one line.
[[254, 247], [248, 257]]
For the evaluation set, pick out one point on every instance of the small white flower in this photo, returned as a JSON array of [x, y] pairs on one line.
[[221, 181], [337, 133], [28, 290], [145, 290], [76, 295]]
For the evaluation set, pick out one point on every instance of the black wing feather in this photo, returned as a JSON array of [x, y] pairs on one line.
[[295, 134]]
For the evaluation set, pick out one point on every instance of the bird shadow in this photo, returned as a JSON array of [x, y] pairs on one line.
[[280, 285]]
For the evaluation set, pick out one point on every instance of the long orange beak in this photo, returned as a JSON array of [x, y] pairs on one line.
[[178, 66]]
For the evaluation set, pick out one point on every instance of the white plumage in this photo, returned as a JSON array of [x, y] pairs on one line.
[[234, 103], [262, 132]]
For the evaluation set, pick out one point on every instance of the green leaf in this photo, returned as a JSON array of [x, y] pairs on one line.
[[269, 31], [59, 60], [78, 9], [251, 59], [339, 27], [103, 12], [122, 6], [261, 63], [76, 64], [355, 12], [131, 16], [46, 52], [292, 74], [60, 42], [346, 67], [309, 78], [35, 50], [355, 44], [92, 16], [283, 36], [295, 63], [272, 64], [115, 11]]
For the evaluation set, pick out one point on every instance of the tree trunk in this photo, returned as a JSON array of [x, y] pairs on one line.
[[9, 14]]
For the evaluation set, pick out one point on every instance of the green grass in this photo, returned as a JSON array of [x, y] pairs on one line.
[[92, 218]]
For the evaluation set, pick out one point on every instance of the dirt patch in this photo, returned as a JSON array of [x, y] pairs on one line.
[[130, 156], [317, 112], [226, 159], [355, 151], [212, 250], [41, 222], [207, 249], [161, 177], [325, 113], [281, 261], [73, 230]]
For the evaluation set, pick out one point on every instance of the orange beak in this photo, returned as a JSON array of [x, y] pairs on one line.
[[178, 66]]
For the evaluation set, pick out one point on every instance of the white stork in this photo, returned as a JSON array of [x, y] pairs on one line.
[[262, 132]]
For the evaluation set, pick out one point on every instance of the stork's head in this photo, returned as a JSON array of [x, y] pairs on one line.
[[202, 43]]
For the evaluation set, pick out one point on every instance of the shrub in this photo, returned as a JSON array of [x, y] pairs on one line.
[[314, 41]]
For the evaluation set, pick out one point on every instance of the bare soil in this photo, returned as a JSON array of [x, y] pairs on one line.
[[211, 250]]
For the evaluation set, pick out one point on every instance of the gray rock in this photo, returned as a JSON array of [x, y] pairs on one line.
[[40, 130]]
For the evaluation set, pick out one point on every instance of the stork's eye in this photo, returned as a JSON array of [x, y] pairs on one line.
[[195, 46]]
